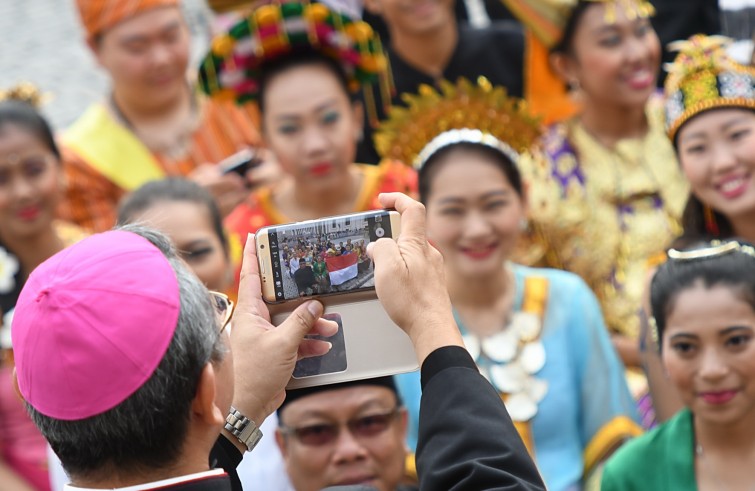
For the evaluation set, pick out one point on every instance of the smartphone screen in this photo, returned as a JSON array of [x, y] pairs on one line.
[[325, 256]]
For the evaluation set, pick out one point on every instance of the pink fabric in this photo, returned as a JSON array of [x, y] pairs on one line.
[[21, 445], [92, 323]]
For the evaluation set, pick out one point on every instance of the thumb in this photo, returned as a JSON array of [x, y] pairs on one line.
[[301, 321]]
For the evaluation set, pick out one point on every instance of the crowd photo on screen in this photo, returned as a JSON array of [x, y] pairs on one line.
[[327, 257]]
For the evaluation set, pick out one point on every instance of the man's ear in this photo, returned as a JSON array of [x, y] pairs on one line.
[[16, 388], [204, 405], [373, 6], [403, 421], [94, 45], [281, 441]]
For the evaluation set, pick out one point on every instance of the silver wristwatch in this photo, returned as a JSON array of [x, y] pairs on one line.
[[243, 428]]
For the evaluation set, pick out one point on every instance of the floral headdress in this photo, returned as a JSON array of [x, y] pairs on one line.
[[232, 69], [459, 113], [704, 77]]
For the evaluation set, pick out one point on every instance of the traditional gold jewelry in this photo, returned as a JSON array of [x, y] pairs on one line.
[[461, 112]]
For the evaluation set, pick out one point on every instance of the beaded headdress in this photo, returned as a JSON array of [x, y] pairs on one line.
[[459, 113], [232, 68], [704, 77]]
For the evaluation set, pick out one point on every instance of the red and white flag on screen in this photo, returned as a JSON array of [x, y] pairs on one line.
[[342, 268]]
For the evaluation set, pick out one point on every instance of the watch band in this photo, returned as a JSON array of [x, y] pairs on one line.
[[243, 428]]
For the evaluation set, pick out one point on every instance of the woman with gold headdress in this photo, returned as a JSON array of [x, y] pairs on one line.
[[710, 117], [609, 194], [302, 64], [31, 186], [536, 334]]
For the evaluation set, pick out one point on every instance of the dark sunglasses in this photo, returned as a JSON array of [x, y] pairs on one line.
[[224, 308], [325, 433]]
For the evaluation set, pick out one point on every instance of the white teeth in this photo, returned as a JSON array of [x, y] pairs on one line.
[[640, 76], [732, 185]]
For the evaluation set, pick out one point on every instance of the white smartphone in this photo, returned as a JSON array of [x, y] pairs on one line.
[[327, 259]]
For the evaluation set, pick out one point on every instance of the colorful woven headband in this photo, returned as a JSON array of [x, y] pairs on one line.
[[548, 18], [704, 77], [233, 67], [460, 113]]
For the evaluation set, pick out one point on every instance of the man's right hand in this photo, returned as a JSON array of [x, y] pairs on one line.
[[410, 280], [264, 355]]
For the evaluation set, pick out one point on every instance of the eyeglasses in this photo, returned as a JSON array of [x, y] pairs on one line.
[[224, 307], [324, 433]]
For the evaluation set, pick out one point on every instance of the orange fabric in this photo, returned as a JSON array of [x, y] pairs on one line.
[[91, 199], [99, 15], [545, 93], [260, 211]]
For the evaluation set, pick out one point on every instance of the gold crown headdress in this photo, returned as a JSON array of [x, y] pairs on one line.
[[25, 92], [462, 112], [704, 77]]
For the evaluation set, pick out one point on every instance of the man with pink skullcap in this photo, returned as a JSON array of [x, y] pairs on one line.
[[124, 363]]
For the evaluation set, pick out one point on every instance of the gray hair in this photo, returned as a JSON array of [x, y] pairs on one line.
[[147, 430]]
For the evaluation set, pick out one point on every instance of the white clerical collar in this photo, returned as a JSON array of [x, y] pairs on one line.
[[157, 484]]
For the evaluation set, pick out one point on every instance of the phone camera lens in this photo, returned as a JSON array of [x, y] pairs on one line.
[[262, 246]]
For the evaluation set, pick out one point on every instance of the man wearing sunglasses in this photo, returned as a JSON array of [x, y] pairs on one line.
[[125, 365], [341, 434]]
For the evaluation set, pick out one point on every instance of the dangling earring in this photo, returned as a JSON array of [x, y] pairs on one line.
[[711, 226], [575, 90], [523, 224]]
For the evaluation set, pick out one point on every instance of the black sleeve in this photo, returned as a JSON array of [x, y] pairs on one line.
[[466, 438], [225, 455]]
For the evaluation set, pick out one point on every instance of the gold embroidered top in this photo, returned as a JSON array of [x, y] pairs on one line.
[[602, 213]]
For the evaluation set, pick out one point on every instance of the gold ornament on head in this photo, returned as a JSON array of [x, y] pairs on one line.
[[704, 77], [25, 92], [462, 112], [548, 18]]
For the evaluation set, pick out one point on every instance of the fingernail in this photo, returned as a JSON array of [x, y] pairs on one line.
[[330, 345], [314, 308], [249, 236]]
